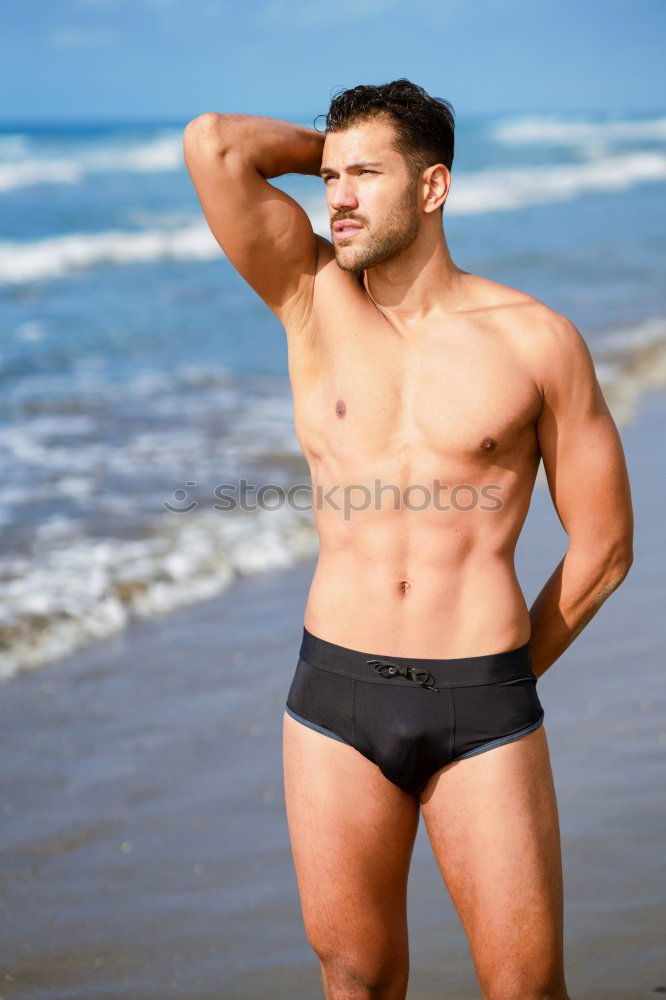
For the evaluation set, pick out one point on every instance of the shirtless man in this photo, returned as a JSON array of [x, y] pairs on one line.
[[415, 688]]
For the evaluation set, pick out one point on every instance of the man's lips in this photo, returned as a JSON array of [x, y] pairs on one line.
[[346, 227]]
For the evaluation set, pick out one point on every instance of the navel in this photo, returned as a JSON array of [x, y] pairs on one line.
[[488, 444], [403, 586], [340, 408]]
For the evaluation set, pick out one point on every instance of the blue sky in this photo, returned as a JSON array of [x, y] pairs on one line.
[[172, 59]]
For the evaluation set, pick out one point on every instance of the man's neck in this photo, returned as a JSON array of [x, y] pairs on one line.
[[419, 283]]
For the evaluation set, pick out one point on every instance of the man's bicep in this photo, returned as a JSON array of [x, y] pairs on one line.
[[582, 451], [265, 233]]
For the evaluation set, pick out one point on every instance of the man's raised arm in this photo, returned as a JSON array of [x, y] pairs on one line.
[[264, 232], [587, 476]]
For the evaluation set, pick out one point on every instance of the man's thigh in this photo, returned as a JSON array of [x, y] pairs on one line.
[[493, 824], [352, 834]]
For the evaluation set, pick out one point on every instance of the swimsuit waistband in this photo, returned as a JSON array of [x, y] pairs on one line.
[[464, 671]]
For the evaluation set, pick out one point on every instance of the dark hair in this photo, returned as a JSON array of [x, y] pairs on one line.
[[424, 125]]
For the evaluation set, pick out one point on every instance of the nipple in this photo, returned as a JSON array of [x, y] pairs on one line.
[[489, 444], [340, 408]]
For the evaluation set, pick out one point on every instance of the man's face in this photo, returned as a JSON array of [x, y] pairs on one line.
[[368, 185]]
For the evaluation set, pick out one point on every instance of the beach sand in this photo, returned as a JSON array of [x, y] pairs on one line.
[[145, 851]]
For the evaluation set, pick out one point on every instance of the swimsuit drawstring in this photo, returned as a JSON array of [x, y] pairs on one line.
[[420, 676]]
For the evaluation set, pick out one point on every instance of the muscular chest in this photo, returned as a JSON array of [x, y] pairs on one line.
[[466, 403]]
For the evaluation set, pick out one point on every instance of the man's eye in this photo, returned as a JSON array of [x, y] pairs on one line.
[[363, 170]]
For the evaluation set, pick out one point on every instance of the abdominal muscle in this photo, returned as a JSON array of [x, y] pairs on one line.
[[410, 583]]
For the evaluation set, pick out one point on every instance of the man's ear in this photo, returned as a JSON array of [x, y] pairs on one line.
[[437, 181]]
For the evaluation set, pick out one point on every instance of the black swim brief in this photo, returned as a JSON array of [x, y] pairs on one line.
[[411, 716]]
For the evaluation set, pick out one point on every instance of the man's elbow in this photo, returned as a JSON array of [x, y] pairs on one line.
[[618, 560], [213, 134], [606, 562], [205, 128]]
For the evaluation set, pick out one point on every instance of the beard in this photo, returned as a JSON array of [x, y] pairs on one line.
[[397, 232]]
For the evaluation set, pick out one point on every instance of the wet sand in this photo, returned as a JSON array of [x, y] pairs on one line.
[[144, 850]]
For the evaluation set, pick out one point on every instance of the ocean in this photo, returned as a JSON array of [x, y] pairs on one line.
[[139, 373]]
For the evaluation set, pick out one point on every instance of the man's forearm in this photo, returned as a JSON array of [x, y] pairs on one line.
[[568, 601], [273, 147]]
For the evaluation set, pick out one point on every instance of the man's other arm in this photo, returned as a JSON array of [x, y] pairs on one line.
[[264, 232], [587, 477]]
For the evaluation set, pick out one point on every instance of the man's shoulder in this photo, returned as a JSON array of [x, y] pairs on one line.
[[507, 302], [328, 272], [548, 342], [532, 320], [548, 331], [329, 290]]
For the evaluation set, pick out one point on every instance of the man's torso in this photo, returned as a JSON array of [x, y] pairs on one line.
[[422, 448]]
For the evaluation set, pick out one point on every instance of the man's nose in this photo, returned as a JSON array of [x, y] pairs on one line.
[[343, 195]]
